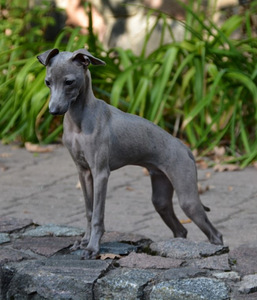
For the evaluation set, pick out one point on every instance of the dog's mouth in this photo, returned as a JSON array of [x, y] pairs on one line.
[[58, 110], [56, 113]]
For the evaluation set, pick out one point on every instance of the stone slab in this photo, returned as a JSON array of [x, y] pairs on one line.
[[41, 256], [244, 259], [219, 262], [8, 225], [145, 261], [117, 248], [56, 278], [233, 276], [112, 248], [194, 289], [46, 246], [8, 254], [185, 249], [249, 284], [123, 284], [4, 238], [115, 236], [54, 230], [182, 273]]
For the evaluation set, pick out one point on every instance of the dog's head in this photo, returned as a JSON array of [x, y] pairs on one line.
[[65, 76]]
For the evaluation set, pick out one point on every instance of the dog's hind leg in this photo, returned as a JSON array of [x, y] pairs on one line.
[[189, 200], [162, 193]]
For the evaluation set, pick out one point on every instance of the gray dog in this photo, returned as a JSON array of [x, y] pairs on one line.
[[101, 138]]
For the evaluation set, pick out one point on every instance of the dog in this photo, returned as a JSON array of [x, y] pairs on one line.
[[102, 138]]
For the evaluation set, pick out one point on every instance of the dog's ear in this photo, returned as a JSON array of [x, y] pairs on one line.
[[85, 58], [45, 57]]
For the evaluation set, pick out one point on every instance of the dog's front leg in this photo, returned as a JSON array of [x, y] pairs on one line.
[[100, 180], [86, 182]]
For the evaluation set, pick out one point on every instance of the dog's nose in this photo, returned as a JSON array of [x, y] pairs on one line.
[[54, 112], [54, 109]]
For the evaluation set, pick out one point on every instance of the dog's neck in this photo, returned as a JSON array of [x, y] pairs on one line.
[[83, 103]]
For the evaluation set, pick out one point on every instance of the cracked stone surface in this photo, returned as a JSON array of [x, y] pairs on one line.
[[144, 261], [249, 284], [234, 276], [52, 229], [193, 289], [117, 248], [42, 267], [220, 262], [111, 236], [183, 249], [245, 258], [46, 246], [4, 238], [8, 254], [63, 278], [9, 225], [123, 284]]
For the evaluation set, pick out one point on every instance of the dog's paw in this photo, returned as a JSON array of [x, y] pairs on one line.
[[217, 240], [76, 246], [79, 245], [88, 254]]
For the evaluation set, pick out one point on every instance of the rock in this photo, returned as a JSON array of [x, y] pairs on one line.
[[181, 273], [9, 225], [4, 238], [58, 278], [114, 236], [34, 265], [185, 249], [54, 230], [219, 262], [144, 261], [244, 258], [46, 246], [6, 274], [175, 274], [193, 289], [249, 284], [233, 276], [117, 248], [11, 255], [123, 284]]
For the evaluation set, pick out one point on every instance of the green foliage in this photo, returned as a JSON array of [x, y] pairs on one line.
[[21, 92], [24, 112], [205, 85], [202, 88]]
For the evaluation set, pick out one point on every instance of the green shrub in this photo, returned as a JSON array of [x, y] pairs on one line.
[[202, 88], [24, 113]]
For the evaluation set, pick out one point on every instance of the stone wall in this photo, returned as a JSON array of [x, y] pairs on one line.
[[36, 263]]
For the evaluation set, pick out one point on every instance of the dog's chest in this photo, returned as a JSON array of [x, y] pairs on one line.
[[76, 144], [80, 159]]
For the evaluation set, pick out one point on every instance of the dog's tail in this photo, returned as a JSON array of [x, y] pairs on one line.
[[206, 208]]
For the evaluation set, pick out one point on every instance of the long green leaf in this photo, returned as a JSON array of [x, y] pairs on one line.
[[162, 80], [245, 80], [205, 101], [140, 95]]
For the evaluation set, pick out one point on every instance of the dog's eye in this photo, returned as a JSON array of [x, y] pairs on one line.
[[69, 82], [47, 82]]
